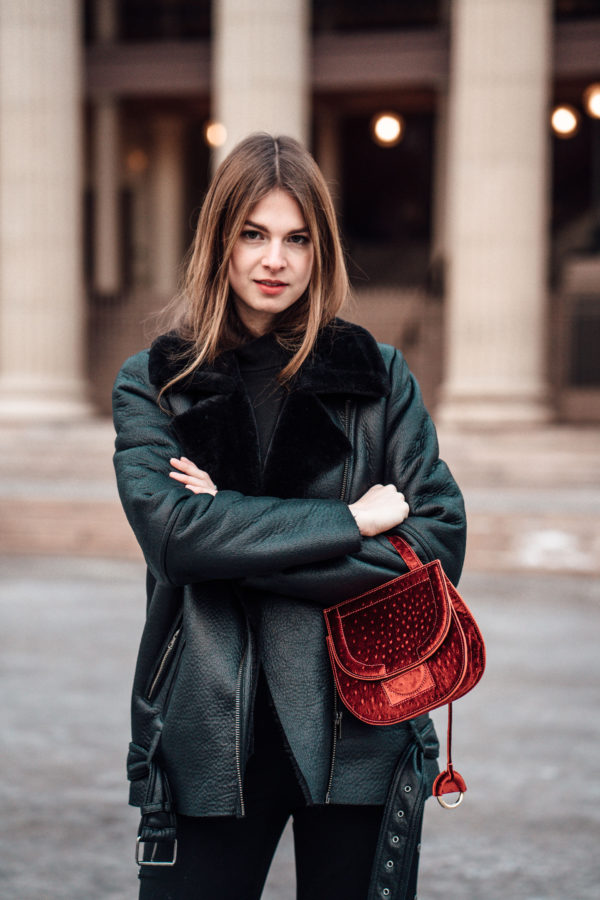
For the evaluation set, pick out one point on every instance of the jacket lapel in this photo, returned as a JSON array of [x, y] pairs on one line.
[[218, 430]]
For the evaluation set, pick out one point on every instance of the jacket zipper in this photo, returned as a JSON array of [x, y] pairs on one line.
[[337, 712], [337, 735], [238, 749], [346, 423], [163, 663]]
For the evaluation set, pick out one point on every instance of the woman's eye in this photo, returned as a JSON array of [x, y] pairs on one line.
[[251, 234], [300, 239]]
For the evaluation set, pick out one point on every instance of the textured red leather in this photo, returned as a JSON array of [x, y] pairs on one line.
[[449, 782], [404, 648]]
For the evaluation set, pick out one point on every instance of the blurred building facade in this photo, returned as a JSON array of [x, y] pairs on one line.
[[473, 234]]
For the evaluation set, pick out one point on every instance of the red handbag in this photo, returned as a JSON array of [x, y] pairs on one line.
[[404, 648]]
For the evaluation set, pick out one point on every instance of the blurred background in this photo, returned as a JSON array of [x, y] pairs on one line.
[[461, 141]]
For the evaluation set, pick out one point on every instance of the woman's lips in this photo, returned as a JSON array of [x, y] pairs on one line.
[[271, 287]]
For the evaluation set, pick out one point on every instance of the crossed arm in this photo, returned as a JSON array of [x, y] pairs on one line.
[[379, 509], [303, 548]]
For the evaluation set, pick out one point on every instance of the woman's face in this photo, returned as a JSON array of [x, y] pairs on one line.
[[271, 262]]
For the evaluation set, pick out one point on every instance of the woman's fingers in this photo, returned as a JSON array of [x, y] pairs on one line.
[[186, 465], [380, 508], [193, 478], [201, 490], [196, 485], [188, 479]]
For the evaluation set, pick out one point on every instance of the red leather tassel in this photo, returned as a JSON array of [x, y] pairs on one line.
[[449, 781]]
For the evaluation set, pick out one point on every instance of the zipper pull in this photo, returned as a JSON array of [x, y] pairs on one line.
[[171, 643], [338, 723]]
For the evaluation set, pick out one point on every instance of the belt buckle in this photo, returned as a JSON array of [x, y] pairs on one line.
[[140, 848]]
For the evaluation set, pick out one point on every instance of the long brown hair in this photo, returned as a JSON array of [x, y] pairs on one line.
[[204, 315]]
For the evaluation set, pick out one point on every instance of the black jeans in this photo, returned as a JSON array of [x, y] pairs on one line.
[[224, 858]]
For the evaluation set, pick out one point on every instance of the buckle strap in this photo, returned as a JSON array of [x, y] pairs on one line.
[[157, 835], [143, 857], [394, 869]]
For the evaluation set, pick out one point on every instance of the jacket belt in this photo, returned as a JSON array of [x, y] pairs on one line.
[[394, 873], [158, 824]]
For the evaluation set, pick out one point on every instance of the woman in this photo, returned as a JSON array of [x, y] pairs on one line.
[[263, 450]]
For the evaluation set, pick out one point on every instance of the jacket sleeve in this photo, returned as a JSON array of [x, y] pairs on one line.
[[435, 528], [188, 537]]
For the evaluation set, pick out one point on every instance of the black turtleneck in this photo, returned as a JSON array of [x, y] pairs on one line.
[[260, 360]]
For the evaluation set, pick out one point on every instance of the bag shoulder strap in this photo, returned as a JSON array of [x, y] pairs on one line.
[[405, 550]]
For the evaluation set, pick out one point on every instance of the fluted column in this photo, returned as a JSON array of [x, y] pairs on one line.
[[107, 239], [327, 150], [497, 212], [439, 200], [106, 163], [260, 77], [167, 186], [41, 295]]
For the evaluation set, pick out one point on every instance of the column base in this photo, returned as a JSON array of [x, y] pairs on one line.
[[50, 401], [493, 410]]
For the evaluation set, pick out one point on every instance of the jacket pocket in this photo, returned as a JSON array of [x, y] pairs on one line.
[[163, 674]]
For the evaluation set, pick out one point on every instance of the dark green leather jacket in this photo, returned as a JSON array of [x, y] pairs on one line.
[[274, 547]]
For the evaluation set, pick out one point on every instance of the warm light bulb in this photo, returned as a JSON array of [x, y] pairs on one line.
[[565, 121], [387, 129], [591, 100], [215, 134], [136, 161]]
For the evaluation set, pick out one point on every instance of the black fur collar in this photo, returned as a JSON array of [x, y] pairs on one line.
[[218, 432], [346, 360]]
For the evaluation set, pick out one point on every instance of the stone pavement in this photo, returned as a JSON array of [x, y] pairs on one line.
[[526, 740]]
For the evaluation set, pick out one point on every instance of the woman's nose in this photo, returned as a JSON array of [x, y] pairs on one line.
[[274, 257]]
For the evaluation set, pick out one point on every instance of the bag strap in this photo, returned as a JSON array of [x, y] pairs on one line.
[[448, 781], [406, 551]]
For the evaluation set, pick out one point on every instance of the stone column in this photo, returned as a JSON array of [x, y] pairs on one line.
[[105, 20], [327, 150], [260, 68], [106, 162], [439, 239], [107, 239], [167, 186], [41, 293], [497, 212]]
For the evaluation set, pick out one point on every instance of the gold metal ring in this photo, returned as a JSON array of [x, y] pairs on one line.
[[456, 803]]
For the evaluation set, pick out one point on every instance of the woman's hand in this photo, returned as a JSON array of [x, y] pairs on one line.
[[192, 477], [382, 507]]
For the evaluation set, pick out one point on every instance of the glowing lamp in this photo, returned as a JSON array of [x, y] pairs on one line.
[[136, 161], [591, 100], [565, 121], [215, 134], [387, 129]]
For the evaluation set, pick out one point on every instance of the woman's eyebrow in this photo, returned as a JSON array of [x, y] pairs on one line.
[[250, 224]]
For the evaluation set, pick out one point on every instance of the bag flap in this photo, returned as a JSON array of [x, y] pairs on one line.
[[393, 627]]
